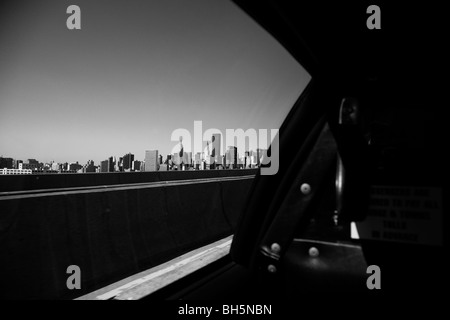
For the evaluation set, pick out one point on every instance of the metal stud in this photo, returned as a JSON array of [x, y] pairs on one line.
[[305, 188], [275, 247], [313, 252], [271, 268]]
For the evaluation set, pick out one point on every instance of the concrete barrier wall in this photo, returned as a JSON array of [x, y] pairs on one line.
[[69, 180], [109, 233]]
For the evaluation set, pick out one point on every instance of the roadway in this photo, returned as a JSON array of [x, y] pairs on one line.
[[153, 279]]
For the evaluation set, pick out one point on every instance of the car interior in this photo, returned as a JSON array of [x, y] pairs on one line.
[[357, 203], [364, 124]]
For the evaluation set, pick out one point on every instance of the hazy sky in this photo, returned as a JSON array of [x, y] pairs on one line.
[[135, 72]]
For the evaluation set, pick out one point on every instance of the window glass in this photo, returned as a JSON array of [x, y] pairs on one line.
[[134, 73]]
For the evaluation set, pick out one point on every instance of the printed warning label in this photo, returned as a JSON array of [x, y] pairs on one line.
[[403, 214]]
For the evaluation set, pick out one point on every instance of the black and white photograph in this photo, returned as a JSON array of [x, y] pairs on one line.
[[225, 156]]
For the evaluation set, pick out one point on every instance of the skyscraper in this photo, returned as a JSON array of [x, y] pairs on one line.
[[104, 166], [232, 157], [208, 151], [55, 166], [151, 160], [6, 163], [247, 159], [89, 166], [120, 164], [169, 162], [111, 164], [216, 137], [136, 165], [198, 160], [187, 158], [75, 166], [127, 161]]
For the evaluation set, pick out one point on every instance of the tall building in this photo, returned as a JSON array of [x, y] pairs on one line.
[[31, 166], [6, 163], [33, 162], [215, 153], [136, 165], [104, 166], [111, 164], [127, 161], [75, 166], [120, 164], [232, 157], [246, 159], [181, 152], [89, 166], [187, 158], [151, 160], [197, 161], [55, 166], [208, 151], [116, 165]]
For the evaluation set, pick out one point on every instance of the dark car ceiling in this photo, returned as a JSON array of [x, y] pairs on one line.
[[398, 73], [332, 39]]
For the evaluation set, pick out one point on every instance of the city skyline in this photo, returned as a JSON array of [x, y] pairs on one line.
[[210, 145], [207, 156], [134, 73], [182, 160]]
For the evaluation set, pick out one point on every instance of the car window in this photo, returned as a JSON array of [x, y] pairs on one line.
[[132, 88]]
